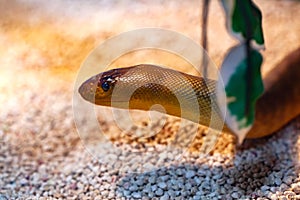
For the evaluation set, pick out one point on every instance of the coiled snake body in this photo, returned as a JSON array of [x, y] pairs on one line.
[[142, 86]]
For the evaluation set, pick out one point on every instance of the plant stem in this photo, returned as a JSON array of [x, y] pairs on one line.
[[204, 38]]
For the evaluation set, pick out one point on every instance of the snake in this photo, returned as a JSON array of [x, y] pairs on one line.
[[184, 95]]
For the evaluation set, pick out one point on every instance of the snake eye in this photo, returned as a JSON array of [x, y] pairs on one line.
[[105, 86]]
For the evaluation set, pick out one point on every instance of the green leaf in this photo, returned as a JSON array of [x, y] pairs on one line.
[[236, 89], [244, 20], [234, 75]]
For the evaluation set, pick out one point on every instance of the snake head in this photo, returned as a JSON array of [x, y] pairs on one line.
[[99, 88]]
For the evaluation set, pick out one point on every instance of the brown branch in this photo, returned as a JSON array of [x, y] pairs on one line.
[[204, 37]]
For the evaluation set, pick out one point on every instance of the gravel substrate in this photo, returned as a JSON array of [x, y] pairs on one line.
[[43, 157]]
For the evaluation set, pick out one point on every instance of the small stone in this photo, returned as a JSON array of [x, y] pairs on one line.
[[164, 178], [283, 187], [230, 181], [175, 187], [201, 172], [159, 192], [136, 195], [288, 180], [165, 197], [273, 189], [296, 188], [197, 197], [126, 193], [205, 185], [190, 174], [265, 188], [211, 195], [98, 197], [148, 166], [217, 176], [273, 197], [240, 180], [243, 185], [147, 188], [111, 195], [152, 179], [151, 195], [197, 180], [171, 193], [180, 184], [179, 172], [104, 193], [23, 182], [279, 175], [140, 182], [126, 185], [154, 188], [200, 193], [289, 194], [235, 195], [278, 181], [133, 188], [162, 185], [188, 186]]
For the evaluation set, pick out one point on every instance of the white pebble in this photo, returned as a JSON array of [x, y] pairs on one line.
[[288, 180], [159, 192], [165, 197], [265, 188], [235, 195], [190, 174], [136, 195], [278, 181], [162, 185]]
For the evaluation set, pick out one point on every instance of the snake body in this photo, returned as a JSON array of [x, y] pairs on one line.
[[191, 97]]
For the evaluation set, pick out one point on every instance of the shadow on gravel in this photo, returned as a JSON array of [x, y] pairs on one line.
[[260, 168]]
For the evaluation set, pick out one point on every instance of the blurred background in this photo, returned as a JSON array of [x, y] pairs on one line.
[[43, 43]]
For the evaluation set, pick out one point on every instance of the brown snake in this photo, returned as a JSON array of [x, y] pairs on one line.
[[176, 92]]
